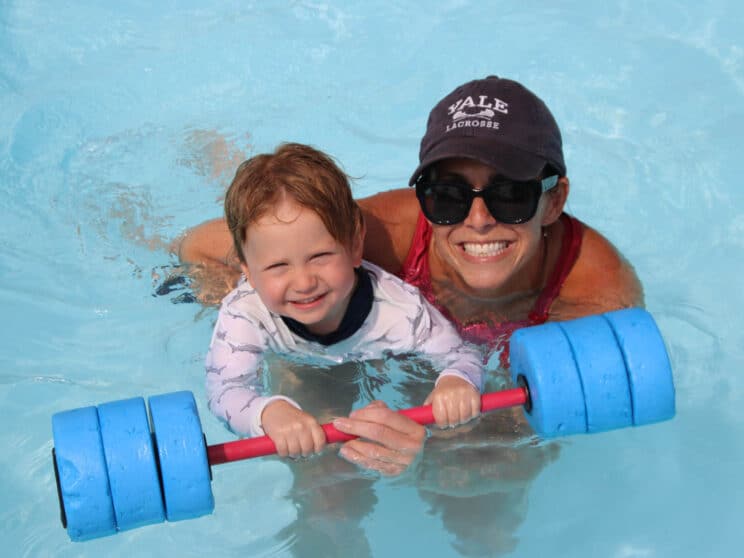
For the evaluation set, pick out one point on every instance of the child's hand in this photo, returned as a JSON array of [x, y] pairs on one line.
[[454, 401], [294, 432]]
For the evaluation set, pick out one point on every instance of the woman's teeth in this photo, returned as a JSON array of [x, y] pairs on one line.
[[484, 249]]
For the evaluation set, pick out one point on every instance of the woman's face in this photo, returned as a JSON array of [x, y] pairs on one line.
[[482, 255]]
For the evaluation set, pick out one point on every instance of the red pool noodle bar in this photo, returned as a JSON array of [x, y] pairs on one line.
[[262, 445]]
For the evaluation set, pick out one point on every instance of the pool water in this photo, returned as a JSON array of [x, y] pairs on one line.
[[121, 126]]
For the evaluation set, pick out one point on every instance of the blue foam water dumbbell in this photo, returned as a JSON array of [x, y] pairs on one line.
[[113, 474], [116, 470], [595, 373]]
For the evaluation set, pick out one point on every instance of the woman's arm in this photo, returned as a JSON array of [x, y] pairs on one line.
[[214, 266], [209, 243], [601, 280]]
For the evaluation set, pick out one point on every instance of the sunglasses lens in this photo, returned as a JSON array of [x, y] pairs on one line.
[[445, 204], [512, 202]]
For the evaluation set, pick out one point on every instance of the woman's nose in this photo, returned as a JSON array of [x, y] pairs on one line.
[[479, 216]]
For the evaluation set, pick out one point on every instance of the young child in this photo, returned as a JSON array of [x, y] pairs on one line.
[[299, 235]]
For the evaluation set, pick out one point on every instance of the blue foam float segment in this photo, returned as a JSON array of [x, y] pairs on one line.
[[83, 477], [130, 459], [542, 355], [603, 375], [182, 452], [647, 361]]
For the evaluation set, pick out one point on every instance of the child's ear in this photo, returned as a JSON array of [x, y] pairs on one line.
[[246, 272], [357, 246]]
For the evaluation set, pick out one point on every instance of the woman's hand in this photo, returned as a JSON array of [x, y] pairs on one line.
[[388, 441], [454, 401], [294, 432]]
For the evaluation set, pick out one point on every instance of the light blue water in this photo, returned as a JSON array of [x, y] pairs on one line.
[[121, 126]]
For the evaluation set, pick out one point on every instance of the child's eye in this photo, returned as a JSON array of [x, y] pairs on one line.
[[275, 266], [321, 255]]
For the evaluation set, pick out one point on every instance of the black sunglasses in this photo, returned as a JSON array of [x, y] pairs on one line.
[[448, 201]]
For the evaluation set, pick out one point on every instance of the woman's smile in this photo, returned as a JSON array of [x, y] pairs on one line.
[[484, 249]]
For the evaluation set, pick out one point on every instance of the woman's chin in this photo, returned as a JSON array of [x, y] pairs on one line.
[[483, 278]]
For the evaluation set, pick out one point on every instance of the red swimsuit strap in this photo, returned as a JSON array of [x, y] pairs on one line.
[[415, 268], [570, 248]]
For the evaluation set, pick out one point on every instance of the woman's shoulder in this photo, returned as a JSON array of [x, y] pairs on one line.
[[390, 218], [602, 279]]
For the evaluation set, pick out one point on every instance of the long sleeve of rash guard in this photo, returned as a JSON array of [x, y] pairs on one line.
[[233, 365], [438, 340]]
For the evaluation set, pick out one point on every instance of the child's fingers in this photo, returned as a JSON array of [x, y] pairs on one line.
[[462, 412], [475, 405], [307, 442], [455, 406], [465, 409], [319, 438], [294, 446], [307, 438], [458, 411], [294, 432], [441, 410], [281, 446], [469, 407], [306, 445]]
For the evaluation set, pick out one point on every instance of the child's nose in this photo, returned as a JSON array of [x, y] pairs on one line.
[[304, 281]]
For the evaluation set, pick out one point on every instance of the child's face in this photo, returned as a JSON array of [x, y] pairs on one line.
[[298, 269]]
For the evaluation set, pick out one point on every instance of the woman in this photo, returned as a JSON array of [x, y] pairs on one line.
[[482, 234]]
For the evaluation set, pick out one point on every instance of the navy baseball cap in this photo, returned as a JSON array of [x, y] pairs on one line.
[[498, 122]]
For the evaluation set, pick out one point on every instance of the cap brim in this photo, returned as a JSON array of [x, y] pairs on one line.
[[506, 159]]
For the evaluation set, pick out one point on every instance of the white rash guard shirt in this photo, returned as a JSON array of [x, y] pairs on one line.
[[400, 321]]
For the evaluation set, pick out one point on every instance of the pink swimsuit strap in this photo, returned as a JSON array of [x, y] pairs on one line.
[[416, 271]]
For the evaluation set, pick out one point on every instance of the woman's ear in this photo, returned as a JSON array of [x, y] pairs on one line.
[[555, 201]]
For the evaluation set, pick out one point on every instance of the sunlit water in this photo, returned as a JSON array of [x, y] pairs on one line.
[[121, 126]]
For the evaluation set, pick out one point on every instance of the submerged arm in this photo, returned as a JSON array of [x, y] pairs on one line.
[[214, 268]]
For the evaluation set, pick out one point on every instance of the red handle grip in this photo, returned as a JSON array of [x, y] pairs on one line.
[[262, 445]]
